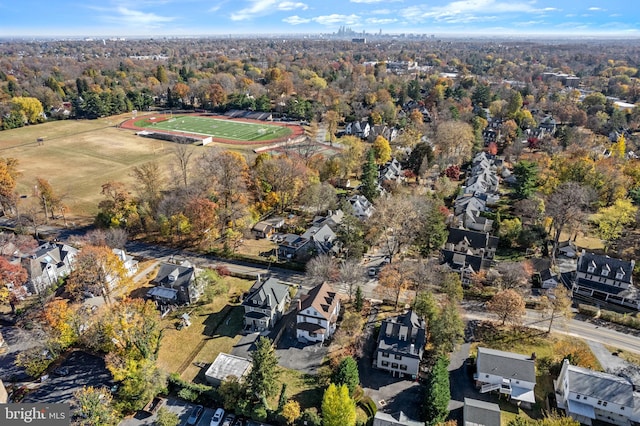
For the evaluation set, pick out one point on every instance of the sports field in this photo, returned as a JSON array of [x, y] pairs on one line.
[[223, 129]]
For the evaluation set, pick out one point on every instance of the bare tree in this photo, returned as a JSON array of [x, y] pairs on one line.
[[350, 274], [514, 275], [149, 182], [321, 269], [566, 207], [558, 304], [182, 154]]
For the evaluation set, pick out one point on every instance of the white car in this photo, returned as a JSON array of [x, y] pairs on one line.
[[216, 420]]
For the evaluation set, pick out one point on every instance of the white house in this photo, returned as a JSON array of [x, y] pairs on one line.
[[129, 263], [508, 373], [317, 314], [401, 345], [588, 395], [362, 207], [46, 264]]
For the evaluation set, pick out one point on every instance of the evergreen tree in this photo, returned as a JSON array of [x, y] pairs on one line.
[[369, 186], [263, 376], [438, 393], [347, 374], [359, 300], [526, 173], [338, 409], [283, 397]]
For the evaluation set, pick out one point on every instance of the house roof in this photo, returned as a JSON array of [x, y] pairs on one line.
[[262, 226], [463, 260], [547, 274], [267, 294], [601, 386], [508, 365], [323, 299], [600, 262], [226, 365], [477, 240], [481, 413], [171, 275], [395, 419], [46, 254], [389, 339]]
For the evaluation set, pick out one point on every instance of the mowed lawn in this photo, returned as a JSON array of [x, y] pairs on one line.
[[214, 328], [225, 129], [79, 156]]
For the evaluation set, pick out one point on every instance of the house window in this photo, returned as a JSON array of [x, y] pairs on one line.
[[385, 363], [486, 376], [385, 355], [577, 396], [599, 402], [619, 275], [622, 408], [604, 404], [312, 334], [398, 356], [403, 367], [319, 321], [394, 365]]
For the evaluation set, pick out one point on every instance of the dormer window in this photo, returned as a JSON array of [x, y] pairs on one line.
[[605, 271], [591, 268], [620, 274]]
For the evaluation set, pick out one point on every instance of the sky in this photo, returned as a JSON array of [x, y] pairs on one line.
[[148, 18]]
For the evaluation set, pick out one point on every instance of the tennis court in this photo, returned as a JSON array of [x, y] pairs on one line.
[[224, 129]]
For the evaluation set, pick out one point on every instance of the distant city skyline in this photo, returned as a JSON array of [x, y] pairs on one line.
[[149, 18]]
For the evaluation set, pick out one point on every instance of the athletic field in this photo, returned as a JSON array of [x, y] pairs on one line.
[[223, 129]]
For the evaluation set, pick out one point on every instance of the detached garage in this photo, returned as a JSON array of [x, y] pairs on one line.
[[226, 365]]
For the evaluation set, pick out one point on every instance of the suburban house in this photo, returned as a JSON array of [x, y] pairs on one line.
[[46, 264], [175, 284], [130, 264], [317, 314], [508, 373], [390, 171], [265, 304], [401, 345], [226, 366], [333, 219], [316, 239], [603, 274], [266, 228], [467, 252], [587, 395], [480, 413], [395, 419], [360, 129], [362, 207], [389, 133], [548, 279]]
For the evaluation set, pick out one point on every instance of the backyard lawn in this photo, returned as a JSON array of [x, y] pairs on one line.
[[301, 387], [214, 328]]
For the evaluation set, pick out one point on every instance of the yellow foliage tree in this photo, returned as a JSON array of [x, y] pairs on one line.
[[30, 107], [381, 149]]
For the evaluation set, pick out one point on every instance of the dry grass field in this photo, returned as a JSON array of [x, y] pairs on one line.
[[78, 156]]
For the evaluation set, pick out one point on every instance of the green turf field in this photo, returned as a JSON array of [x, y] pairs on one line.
[[225, 129]]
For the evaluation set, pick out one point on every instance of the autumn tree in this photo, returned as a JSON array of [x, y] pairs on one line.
[[331, 119], [338, 409], [116, 207], [11, 276], [454, 140], [611, 221], [149, 182], [29, 108], [558, 304], [283, 177], [291, 412], [318, 197], [8, 175], [392, 282], [50, 200], [381, 150], [100, 271], [514, 275], [203, 218], [263, 376], [94, 407], [59, 318], [507, 305]]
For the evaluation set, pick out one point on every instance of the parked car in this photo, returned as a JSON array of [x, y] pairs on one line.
[[228, 419], [216, 420], [195, 415]]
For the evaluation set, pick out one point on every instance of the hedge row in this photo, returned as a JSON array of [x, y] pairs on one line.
[[627, 320]]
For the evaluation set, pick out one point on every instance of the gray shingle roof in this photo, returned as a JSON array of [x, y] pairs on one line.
[[601, 386], [481, 413], [389, 337], [268, 294], [508, 365], [601, 262]]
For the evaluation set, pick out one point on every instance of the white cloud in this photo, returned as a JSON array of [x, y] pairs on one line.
[[596, 9], [289, 5], [335, 18], [296, 20], [378, 21], [134, 18], [381, 12], [265, 7], [374, 1]]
